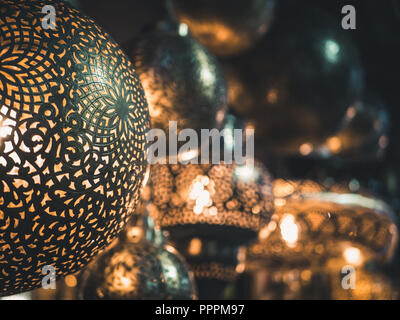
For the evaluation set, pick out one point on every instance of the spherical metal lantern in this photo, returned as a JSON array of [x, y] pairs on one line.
[[225, 27], [136, 268], [182, 80], [209, 212], [73, 125], [325, 223], [296, 85], [317, 230]]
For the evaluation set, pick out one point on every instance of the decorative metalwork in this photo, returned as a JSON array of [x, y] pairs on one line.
[[73, 124], [222, 195], [318, 229], [182, 80], [136, 268], [226, 27], [318, 225]]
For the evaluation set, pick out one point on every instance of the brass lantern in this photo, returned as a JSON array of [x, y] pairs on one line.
[[225, 27], [317, 231], [209, 212], [141, 265], [73, 125]]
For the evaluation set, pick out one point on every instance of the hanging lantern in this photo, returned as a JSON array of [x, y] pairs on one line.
[[318, 230], [182, 81], [210, 211], [296, 85], [225, 27], [138, 267], [73, 125], [364, 137]]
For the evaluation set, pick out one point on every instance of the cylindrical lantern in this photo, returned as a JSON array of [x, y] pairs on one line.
[[225, 27], [73, 125], [210, 211]]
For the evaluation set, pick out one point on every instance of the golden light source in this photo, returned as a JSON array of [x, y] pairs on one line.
[[319, 229], [73, 125], [225, 34]]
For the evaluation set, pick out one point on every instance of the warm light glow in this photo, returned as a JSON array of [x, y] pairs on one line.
[[353, 256], [195, 247], [305, 149], [334, 144], [125, 281], [197, 189], [289, 230], [246, 173], [71, 281], [6, 127], [135, 233], [201, 196]]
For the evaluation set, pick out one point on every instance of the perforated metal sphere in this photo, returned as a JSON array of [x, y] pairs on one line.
[[225, 27], [136, 268], [182, 80], [73, 124]]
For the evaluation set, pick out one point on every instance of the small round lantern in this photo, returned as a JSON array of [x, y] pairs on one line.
[[182, 80], [209, 212], [73, 125], [139, 266], [225, 27], [316, 231]]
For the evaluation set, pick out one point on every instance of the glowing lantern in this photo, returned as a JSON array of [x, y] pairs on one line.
[[73, 124]]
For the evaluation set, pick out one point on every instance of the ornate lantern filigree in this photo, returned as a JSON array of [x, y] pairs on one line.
[[182, 80], [319, 230], [209, 211], [73, 124], [138, 267], [225, 27]]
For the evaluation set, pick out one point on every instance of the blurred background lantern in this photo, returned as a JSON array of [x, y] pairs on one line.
[[73, 124], [315, 232], [225, 27], [141, 265], [296, 85], [182, 80], [363, 138], [369, 286], [210, 211]]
